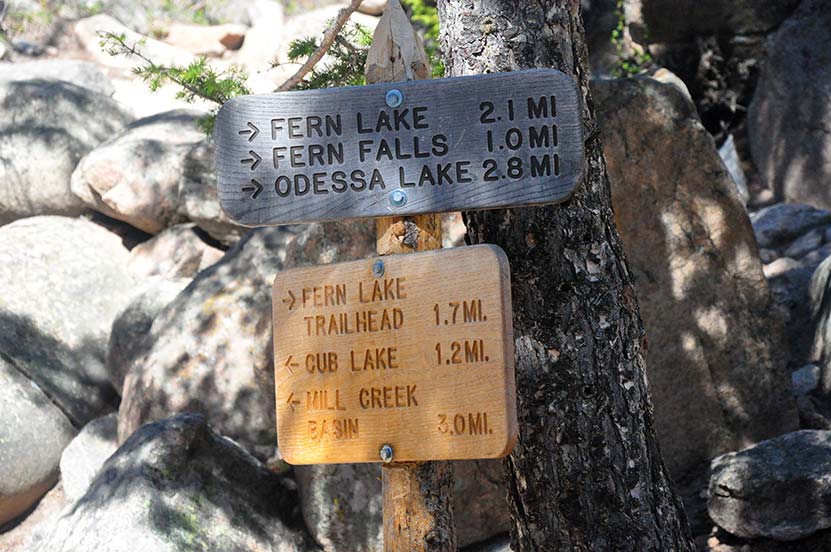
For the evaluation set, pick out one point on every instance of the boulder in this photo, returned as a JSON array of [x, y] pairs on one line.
[[134, 322], [778, 489], [789, 121], [716, 359], [135, 176], [177, 252], [176, 485], [679, 20], [47, 126], [206, 40], [480, 504], [205, 351], [80, 73], [85, 455], [33, 432], [819, 306], [62, 283]]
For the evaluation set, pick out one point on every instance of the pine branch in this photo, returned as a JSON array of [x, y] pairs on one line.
[[328, 39]]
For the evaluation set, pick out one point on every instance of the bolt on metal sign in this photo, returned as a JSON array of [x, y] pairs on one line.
[[405, 148]]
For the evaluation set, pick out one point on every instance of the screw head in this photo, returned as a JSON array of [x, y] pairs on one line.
[[378, 268], [398, 198], [386, 454], [394, 98]]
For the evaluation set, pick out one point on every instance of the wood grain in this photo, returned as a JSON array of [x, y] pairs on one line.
[[433, 386], [339, 153]]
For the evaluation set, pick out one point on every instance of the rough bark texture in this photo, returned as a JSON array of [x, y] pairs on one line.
[[586, 473]]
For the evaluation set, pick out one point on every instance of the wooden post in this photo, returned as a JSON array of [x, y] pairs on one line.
[[417, 496]]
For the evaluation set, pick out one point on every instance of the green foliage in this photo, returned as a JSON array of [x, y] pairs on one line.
[[195, 80], [347, 57], [425, 18], [628, 63]]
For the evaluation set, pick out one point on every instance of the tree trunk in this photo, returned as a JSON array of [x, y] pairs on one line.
[[587, 473]]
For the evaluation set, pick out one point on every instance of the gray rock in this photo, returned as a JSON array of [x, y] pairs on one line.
[[175, 485], [80, 73], [805, 379], [206, 349], [47, 126], [778, 489], [85, 455], [678, 20], [350, 491], [804, 244], [716, 359], [62, 283], [783, 222], [135, 176], [133, 323], [789, 123], [177, 252], [33, 432]]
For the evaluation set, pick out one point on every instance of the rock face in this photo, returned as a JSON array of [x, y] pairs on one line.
[[819, 304], [85, 455], [673, 20], [176, 485], [47, 126], [778, 489], [33, 432], [205, 350], [178, 252], [715, 360], [789, 122], [63, 282]]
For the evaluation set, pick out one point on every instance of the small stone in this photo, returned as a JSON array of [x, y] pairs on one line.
[[780, 266], [805, 379], [804, 244], [27, 48], [777, 489], [783, 222]]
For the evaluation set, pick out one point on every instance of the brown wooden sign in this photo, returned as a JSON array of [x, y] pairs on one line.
[[403, 148], [411, 351]]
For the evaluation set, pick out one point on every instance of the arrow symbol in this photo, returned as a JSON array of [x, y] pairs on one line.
[[290, 300], [254, 160], [290, 365], [251, 130], [292, 402], [257, 188]]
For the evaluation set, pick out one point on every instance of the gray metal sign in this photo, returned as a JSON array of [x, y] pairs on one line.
[[404, 148]]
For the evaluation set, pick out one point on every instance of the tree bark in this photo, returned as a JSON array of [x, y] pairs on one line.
[[587, 473]]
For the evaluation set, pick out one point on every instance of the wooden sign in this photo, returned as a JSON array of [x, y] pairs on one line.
[[412, 147], [411, 351]]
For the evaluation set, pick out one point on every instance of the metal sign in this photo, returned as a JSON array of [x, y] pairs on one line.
[[477, 142], [408, 355]]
